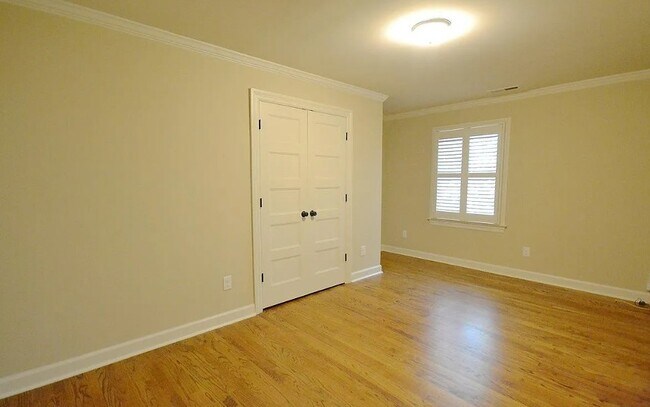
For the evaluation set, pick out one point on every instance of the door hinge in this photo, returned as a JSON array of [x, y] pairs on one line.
[[260, 202], [346, 197], [346, 136], [259, 124], [346, 257], [262, 277]]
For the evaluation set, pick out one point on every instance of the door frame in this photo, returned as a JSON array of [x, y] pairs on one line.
[[256, 97]]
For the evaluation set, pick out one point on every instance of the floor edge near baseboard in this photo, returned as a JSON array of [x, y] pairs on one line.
[[41, 376], [365, 273], [586, 286]]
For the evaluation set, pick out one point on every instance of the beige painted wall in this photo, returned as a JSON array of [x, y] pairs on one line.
[[125, 185], [578, 186]]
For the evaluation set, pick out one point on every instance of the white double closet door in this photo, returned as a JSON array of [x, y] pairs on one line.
[[302, 213]]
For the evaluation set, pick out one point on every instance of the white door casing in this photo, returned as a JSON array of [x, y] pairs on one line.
[[300, 162]]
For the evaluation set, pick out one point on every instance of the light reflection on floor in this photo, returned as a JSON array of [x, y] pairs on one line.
[[470, 327]]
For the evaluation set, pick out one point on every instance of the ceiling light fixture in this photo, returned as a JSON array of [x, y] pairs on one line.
[[429, 27], [431, 30]]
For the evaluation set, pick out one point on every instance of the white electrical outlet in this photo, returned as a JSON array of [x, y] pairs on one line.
[[362, 251], [525, 251], [227, 283], [404, 234]]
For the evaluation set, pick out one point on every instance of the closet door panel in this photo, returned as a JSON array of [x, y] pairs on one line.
[[283, 181], [327, 166], [303, 172]]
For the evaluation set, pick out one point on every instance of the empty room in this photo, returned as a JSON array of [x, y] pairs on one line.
[[325, 203]]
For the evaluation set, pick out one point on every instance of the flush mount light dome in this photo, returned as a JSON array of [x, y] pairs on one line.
[[431, 30], [430, 27]]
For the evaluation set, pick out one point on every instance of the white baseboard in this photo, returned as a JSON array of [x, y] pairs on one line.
[[594, 288], [365, 273], [31, 379]]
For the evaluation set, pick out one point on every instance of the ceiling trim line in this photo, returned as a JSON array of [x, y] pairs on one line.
[[106, 20], [550, 90]]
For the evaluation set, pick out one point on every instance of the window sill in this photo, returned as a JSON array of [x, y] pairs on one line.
[[468, 225]]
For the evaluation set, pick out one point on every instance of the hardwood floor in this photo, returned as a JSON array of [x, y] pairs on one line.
[[423, 333]]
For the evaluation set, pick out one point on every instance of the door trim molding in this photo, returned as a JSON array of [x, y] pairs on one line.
[[257, 96]]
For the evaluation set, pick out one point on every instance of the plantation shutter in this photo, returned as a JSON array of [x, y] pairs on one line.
[[467, 173], [448, 185]]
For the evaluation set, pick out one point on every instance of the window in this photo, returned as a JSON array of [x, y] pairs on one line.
[[469, 175]]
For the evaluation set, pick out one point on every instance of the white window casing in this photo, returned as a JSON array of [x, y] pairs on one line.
[[469, 169]]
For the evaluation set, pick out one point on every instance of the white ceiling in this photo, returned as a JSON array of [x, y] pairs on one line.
[[530, 43]]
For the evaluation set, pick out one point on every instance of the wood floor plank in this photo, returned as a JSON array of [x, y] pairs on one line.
[[421, 334], [289, 372], [462, 375]]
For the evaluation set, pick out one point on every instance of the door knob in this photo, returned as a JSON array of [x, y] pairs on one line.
[[312, 213], [304, 214]]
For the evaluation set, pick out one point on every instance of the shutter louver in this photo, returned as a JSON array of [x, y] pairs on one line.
[[483, 153], [448, 184], [482, 162], [448, 195], [450, 155], [480, 195]]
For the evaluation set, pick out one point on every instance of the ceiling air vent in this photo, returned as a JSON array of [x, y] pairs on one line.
[[503, 90]]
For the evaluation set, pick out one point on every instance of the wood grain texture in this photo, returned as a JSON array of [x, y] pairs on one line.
[[421, 334]]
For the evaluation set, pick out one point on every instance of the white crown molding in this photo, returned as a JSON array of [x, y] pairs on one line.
[[566, 87], [365, 273], [99, 18], [40, 376], [549, 279]]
